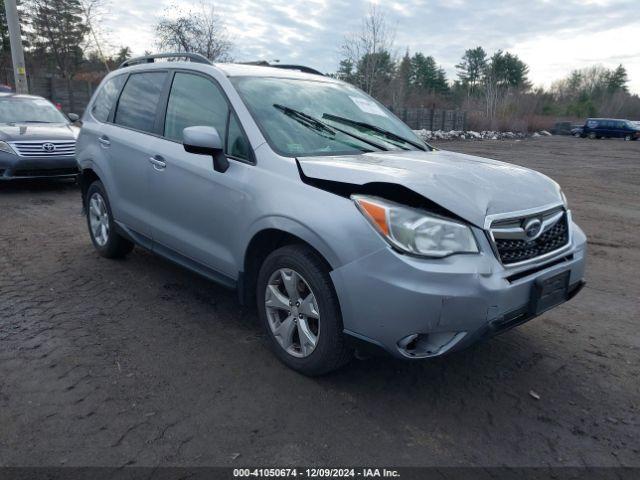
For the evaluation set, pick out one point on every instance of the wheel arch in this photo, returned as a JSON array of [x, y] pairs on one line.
[[268, 239], [87, 176]]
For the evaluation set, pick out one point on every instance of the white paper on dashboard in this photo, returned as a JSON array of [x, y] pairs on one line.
[[368, 106]]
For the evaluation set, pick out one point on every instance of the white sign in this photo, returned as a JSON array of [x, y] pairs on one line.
[[368, 106]]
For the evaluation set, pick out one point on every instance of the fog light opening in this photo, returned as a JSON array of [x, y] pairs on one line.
[[420, 345]]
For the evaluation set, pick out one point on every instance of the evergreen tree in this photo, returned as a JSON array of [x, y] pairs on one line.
[[472, 67], [402, 81], [426, 75], [58, 30], [617, 79]]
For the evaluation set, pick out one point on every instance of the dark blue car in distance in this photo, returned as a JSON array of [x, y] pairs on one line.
[[611, 128]]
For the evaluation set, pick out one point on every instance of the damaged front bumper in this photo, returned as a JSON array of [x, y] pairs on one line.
[[419, 308]]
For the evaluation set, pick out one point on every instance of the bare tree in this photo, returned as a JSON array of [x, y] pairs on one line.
[[201, 31], [93, 10], [369, 49]]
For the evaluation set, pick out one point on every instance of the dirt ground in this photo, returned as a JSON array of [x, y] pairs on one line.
[[138, 362]]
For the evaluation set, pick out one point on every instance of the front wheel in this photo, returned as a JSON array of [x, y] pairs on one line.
[[593, 136], [627, 138], [101, 225], [300, 312]]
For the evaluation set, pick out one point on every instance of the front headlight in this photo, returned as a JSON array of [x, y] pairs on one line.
[[5, 147], [415, 231]]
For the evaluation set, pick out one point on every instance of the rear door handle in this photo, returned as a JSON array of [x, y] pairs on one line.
[[158, 162], [104, 141]]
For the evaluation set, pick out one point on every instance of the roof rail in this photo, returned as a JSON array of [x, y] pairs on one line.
[[300, 68], [194, 57]]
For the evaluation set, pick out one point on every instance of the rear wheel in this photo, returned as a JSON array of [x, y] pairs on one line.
[[105, 239], [300, 311]]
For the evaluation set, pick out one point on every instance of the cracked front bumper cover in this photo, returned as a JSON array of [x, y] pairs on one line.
[[449, 303]]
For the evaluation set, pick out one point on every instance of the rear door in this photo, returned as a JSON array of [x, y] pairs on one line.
[[128, 140], [196, 210]]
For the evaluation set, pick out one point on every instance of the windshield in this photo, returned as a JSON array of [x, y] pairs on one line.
[[293, 113], [29, 110]]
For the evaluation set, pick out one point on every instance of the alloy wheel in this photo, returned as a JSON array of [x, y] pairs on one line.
[[99, 219], [292, 312]]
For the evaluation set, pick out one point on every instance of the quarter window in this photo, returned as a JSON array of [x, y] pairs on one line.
[[237, 143], [139, 99], [194, 101], [106, 98]]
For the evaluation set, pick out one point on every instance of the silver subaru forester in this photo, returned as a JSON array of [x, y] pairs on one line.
[[322, 208]]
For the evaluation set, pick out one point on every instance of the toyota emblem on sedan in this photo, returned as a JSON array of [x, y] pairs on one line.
[[49, 147], [532, 229]]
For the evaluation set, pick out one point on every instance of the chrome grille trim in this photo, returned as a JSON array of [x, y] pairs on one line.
[[504, 228], [35, 148]]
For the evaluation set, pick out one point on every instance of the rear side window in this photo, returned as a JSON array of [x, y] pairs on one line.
[[139, 100], [194, 101], [106, 98]]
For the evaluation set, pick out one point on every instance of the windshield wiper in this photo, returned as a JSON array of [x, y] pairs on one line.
[[374, 128], [316, 124]]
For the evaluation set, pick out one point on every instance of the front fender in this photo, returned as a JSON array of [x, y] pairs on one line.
[[293, 227]]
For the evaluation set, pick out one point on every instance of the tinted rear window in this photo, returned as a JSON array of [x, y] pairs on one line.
[[106, 98], [139, 99]]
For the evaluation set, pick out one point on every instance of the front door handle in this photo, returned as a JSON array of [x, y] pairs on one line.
[[104, 141], [158, 162]]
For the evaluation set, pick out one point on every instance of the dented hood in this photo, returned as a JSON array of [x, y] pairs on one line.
[[471, 187]]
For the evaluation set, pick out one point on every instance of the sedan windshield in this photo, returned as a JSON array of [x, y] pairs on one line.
[[307, 117], [29, 110]]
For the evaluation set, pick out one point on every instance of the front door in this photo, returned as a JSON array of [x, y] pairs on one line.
[[195, 208]]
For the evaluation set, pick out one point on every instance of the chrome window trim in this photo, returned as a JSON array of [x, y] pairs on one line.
[[489, 219]]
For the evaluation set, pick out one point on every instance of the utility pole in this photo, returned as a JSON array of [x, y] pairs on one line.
[[17, 54]]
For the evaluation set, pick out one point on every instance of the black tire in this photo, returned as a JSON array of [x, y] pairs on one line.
[[593, 136], [627, 138], [116, 246], [331, 351]]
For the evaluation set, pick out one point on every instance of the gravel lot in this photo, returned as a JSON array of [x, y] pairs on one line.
[[138, 362]]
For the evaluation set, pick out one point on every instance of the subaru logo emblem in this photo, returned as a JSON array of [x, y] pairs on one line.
[[49, 147], [533, 228]]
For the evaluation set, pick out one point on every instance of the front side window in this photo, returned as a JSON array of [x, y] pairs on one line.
[[194, 101], [106, 98], [17, 109], [139, 100], [307, 117]]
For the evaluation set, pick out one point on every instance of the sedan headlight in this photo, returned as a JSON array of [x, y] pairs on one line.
[[415, 231], [5, 147]]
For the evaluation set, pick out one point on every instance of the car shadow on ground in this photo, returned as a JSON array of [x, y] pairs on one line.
[[36, 186]]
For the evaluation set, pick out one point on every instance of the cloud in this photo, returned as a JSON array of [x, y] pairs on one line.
[[552, 37]]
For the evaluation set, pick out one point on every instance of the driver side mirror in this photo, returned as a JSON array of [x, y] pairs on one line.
[[206, 141], [73, 117]]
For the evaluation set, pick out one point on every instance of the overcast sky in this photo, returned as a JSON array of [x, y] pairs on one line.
[[551, 36]]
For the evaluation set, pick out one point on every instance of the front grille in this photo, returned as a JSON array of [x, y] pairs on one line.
[[45, 172], [514, 250], [45, 148]]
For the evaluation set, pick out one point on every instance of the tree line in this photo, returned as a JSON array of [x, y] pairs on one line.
[[494, 87]]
